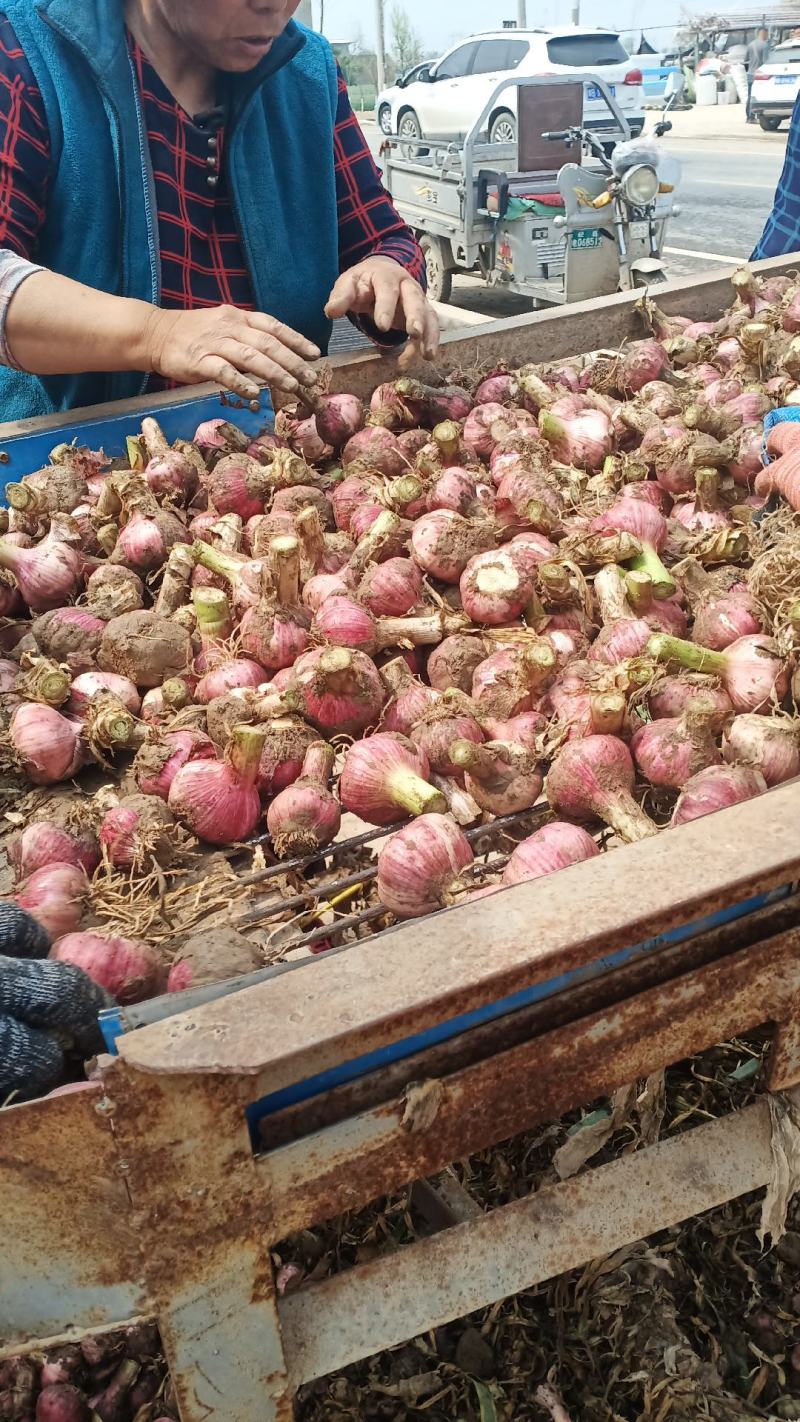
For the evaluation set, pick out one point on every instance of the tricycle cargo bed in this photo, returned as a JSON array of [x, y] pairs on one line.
[[234, 1117]]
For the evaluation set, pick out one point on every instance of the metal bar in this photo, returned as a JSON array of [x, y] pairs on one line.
[[601, 322], [371, 995], [355, 1161], [326, 1108], [783, 1069], [196, 1199], [592, 994], [358, 841], [334, 930], [561, 1227], [70, 1253], [446, 1203]]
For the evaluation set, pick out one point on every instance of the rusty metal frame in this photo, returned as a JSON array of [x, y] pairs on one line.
[[145, 1196], [180, 1212]]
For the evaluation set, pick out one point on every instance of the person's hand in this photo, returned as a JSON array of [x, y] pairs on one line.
[[383, 290], [233, 348], [44, 1006]]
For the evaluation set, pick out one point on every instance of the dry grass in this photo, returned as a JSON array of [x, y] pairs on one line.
[[774, 577]]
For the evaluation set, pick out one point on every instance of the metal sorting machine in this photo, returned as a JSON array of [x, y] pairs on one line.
[[526, 215], [231, 1118]]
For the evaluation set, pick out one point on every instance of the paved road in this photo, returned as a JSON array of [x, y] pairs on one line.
[[725, 197]]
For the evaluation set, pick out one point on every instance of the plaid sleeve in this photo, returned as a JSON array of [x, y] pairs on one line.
[[369, 223], [781, 236], [24, 149]]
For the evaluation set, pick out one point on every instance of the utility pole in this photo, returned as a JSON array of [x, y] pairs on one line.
[[380, 45], [576, 12], [522, 14]]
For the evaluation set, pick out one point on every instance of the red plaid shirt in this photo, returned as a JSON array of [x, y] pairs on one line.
[[202, 262]]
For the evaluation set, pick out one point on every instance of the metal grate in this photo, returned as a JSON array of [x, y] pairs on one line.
[[492, 845], [552, 255]]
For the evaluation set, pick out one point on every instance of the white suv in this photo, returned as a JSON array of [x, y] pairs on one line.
[[447, 98]]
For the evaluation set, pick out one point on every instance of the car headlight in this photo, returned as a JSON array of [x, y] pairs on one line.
[[640, 185]]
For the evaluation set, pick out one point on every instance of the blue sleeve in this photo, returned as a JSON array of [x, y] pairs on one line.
[[781, 236]]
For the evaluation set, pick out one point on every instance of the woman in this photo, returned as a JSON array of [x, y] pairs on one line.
[[185, 194], [781, 235]]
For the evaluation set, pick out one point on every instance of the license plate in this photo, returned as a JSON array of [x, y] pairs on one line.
[[581, 241], [639, 231], [594, 93], [786, 78]]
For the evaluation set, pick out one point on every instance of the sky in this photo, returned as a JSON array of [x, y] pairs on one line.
[[441, 22]]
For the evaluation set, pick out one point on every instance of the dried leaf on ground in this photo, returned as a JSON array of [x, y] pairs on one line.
[[593, 1133], [551, 1400], [784, 1181]]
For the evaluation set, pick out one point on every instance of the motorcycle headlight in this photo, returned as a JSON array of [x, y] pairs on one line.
[[640, 185]]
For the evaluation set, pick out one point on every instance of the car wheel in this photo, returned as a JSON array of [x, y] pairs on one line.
[[409, 126], [503, 128], [385, 119], [440, 278], [769, 124]]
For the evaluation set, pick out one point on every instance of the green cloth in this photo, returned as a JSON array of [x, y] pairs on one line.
[[520, 207]]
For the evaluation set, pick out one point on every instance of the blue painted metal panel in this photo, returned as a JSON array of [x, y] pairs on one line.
[[31, 451]]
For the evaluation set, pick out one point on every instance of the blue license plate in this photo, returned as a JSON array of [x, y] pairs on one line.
[[581, 241], [594, 93], [786, 78]]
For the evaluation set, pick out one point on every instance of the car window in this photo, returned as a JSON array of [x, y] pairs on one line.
[[457, 64], [785, 56], [495, 56], [586, 51]]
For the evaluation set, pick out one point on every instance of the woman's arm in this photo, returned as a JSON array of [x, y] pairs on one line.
[[382, 268], [50, 325], [55, 326]]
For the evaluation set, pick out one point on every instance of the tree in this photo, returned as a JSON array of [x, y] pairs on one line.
[[407, 47]]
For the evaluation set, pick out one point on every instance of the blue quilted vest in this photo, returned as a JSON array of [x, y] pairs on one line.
[[102, 227]]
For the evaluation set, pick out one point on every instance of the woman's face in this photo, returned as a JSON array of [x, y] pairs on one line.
[[232, 35]]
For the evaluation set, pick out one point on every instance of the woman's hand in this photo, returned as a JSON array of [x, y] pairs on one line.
[[43, 1006], [380, 288], [232, 348]]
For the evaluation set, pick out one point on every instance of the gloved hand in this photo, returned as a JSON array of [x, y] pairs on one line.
[[45, 1008]]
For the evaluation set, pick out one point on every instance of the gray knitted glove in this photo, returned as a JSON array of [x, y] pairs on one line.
[[20, 933], [45, 1008]]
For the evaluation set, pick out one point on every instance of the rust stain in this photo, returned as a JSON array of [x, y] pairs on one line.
[[571, 1065], [62, 1199], [307, 1117]]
